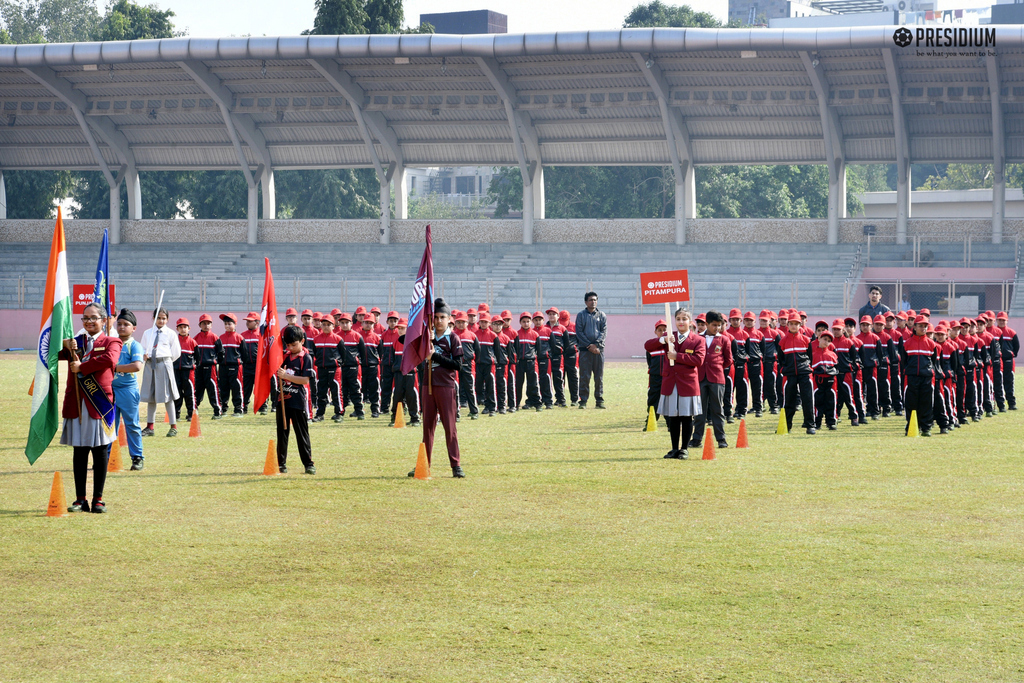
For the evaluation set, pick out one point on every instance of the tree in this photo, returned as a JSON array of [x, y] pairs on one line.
[[53, 21], [340, 193], [127, 21], [339, 17], [657, 13], [34, 194]]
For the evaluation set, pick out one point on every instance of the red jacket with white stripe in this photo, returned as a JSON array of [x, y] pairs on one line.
[[918, 356], [824, 360]]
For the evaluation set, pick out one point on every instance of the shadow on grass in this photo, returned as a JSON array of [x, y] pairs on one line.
[[22, 513]]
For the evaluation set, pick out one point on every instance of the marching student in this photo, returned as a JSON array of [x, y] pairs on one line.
[[327, 359], [470, 352], [249, 351], [739, 361], [845, 373], [184, 370], [770, 348], [995, 354], [945, 353], [755, 360], [526, 365], [680, 389], [570, 356], [796, 370], [1010, 346], [440, 399], [544, 360], [960, 369], [804, 330], [357, 317], [230, 366], [701, 323], [895, 372], [556, 345], [160, 349], [387, 357], [485, 365], [291, 317], [294, 377], [207, 352], [979, 352], [126, 388], [985, 347], [472, 318], [353, 357], [882, 368], [918, 356], [512, 356], [856, 368], [371, 382], [717, 358], [503, 365], [870, 353], [406, 388], [970, 401], [823, 365], [654, 350], [307, 327], [378, 329]]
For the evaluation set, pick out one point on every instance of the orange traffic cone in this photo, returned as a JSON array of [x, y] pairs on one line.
[[741, 438], [709, 446], [270, 464], [58, 507], [400, 417], [122, 436], [422, 466], [167, 418], [193, 429], [114, 463]]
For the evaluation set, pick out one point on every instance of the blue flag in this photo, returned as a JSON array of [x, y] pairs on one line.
[[101, 295]]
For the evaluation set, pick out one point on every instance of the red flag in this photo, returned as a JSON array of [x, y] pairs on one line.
[[421, 313], [270, 353]]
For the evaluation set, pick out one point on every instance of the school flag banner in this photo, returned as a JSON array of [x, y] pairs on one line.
[[54, 328], [101, 293], [269, 353], [421, 313], [664, 287]]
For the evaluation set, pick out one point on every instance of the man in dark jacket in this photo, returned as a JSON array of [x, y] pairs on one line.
[[591, 331]]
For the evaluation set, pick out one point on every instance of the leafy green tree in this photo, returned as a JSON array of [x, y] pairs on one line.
[[337, 193], [431, 206], [53, 21], [162, 192], [127, 21], [339, 17], [657, 13], [34, 194]]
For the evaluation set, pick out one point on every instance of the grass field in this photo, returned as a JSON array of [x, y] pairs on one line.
[[571, 552]]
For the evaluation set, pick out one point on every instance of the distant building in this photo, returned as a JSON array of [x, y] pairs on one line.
[[475, 21], [942, 204], [840, 13]]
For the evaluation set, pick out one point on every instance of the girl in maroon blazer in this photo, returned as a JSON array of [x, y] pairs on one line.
[[680, 388]]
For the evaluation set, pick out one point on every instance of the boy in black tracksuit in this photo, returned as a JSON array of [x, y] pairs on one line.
[[208, 351], [327, 359], [918, 356], [796, 369], [249, 350], [183, 369], [501, 364], [370, 381], [353, 357], [526, 364], [485, 381], [544, 360], [405, 387], [555, 345], [295, 376], [569, 356]]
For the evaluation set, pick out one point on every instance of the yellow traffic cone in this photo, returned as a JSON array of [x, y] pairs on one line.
[[270, 468], [652, 421], [422, 466], [400, 417], [912, 427], [783, 428]]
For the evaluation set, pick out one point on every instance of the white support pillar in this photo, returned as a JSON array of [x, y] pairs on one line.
[[528, 213], [134, 194], [252, 215], [902, 202], [3, 196], [269, 198], [538, 192], [998, 150], [998, 207], [385, 210], [836, 200], [686, 202], [115, 214], [401, 193]]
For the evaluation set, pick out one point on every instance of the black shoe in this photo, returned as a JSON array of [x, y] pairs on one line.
[[811, 430], [458, 418], [474, 416], [757, 414], [682, 454], [392, 423], [501, 411], [80, 505], [310, 469], [943, 430], [723, 444], [539, 409], [572, 404], [1002, 409], [238, 413], [875, 416], [146, 431], [415, 423], [774, 411], [263, 410], [694, 444], [188, 418], [899, 413], [671, 455], [885, 413], [832, 428], [457, 473], [360, 417], [926, 432], [98, 506], [137, 465], [317, 418], [172, 432], [282, 469], [729, 420], [583, 406], [374, 413], [336, 418], [1013, 407], [548, 406], [217, 416], [599, 406]]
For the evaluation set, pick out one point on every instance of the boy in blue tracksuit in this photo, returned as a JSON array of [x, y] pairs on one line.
[[126, 387]]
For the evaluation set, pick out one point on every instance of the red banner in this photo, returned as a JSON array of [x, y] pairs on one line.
[[269, 352], [81, 296], [665, 287]]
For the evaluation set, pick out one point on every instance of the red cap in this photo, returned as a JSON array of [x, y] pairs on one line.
[[291, 311], [748, 316], [700, 318], [890, 314], [183, 321], [228, 316], [524, 314], [306, 312], [553, 309], [402, 322], [318, 314], [335, 311], [866, 319], [563, 316], [327, 319], [826, 333], [990, 313], [1002, 316], [360, 310], [879, 320], [801, 314], [783, 314], [471, 311], [254, 316], [849, 321], [925, 311], [368, 320], [506, 315], [964, 322], [901, 316], [735, 313], [931, 328], [941, 329], [375, 310], [392, 314], [538, 314], [485, 317], [659, 324], [765, 315], [920, 319], [460, 315], [345, 316], [483, 308], [837, 323], [205, 318], [911, 314], [793, 318]]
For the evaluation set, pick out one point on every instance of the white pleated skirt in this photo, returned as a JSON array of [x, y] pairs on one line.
[[675, 405], [158, 384], [89, 432]]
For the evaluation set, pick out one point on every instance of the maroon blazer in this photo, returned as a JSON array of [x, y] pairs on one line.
[[683, 375], [106, 351], [718, 358]]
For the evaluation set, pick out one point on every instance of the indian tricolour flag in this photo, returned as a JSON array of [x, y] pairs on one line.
[[53, 330]]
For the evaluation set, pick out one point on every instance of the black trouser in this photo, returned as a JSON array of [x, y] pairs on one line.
[[727, 395], [300, 425], [467, 389], [558, 379], [847, 382], [405, 390], [526, 371], [961, 396], [742, 387], [230, 384], [986, 391], [970, 393], [328, 390], [80, 460], [653, 393], [871, 390], [858, 394], [248, 382], [1008, 376], [592, 365], [939, 408], [884, 401], [371, 388], [351, 390], [769, 384], [997, 384], [206, 381], [544, 380], [186, 393], [895, 386], [572, 378], [500, 387], [711, 400], [825, 400], [919, 399], [756, 389], [387, 386], [485, 387], [801, 384]]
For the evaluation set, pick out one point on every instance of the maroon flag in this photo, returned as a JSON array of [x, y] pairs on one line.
[[270, 353], [421, 313]]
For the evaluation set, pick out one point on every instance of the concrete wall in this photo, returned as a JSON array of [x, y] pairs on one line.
[[628, 230]]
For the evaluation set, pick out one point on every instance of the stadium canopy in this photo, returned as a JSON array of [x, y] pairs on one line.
[[675, 97]]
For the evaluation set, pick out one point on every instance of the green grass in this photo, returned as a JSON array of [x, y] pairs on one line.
[[571, 552]]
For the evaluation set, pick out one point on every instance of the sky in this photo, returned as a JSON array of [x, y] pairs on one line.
[[218, 18]]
